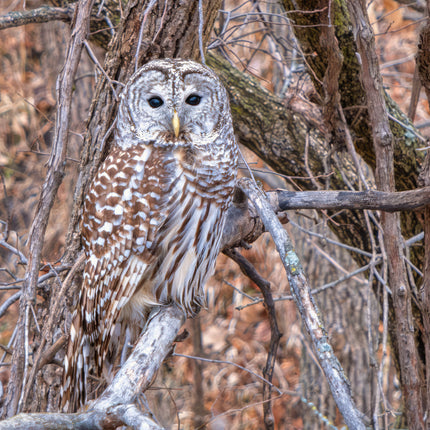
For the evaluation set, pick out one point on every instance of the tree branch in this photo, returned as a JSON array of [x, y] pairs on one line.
[[383, 143], [244, 225], [15, 398], [275, 335], [308, 311], [360, 200], [36, 16], [115, 407]]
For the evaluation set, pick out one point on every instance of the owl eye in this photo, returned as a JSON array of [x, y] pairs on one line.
[[155, 102], [193, 100]]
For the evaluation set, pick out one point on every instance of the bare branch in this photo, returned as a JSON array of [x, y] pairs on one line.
[[244, 225], [9, 302], [115, 406], [373, 200], [22, 257], [39, 15], [307, 308], [53, 180], [275, 335]]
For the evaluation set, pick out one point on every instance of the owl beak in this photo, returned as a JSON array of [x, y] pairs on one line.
[[176, 123]]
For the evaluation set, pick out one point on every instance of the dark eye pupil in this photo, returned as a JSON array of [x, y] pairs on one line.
[[193, 100], [155, 102]]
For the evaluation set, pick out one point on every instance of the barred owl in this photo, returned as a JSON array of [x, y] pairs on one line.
[[154, 214]]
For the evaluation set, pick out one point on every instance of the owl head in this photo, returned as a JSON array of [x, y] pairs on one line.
[[172, 101]]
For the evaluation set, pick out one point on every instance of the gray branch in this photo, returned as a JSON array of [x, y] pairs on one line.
[[116, 406], [244, 225], [308, 310], [39, 15], [336, 200]]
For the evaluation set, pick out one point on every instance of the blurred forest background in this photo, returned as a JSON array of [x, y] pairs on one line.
[[257, 38]]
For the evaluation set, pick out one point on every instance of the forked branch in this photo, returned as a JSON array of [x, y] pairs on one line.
[[308, 310]]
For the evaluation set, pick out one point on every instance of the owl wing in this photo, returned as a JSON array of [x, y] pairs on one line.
[[136, 211], [130, 198]]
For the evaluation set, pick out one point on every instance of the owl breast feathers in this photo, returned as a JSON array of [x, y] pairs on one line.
[[154, 214]]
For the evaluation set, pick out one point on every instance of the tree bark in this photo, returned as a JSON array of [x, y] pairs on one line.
[[407, 160], [423, 65], [383, 140]]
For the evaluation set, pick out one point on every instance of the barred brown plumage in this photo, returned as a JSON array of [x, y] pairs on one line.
[[154, 214]]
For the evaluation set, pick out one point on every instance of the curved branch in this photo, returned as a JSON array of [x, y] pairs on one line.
[[16, 399], [115, 407]]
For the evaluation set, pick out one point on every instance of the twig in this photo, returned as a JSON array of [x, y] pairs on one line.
[[39, 15], [334, 242], [255, 301], [242, 293], [307, 308], [231, 363], [100, 67], [22, 257], [380, 374], [199, 410], [417, 238], [49, 354], [53, 180], [7, 204], [307, 168], [6, 349], [408, 128], [415, 94], [9, 302], [10, 344], [332, 260], [275, 335], [238, 410], [201, 22], [142, 26]]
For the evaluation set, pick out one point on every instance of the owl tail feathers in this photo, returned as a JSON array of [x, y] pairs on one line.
[[76, 369]]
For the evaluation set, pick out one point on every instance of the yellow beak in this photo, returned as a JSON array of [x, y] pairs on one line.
[[176, 123]]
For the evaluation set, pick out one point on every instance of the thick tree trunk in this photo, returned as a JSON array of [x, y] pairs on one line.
[[423, 65]]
